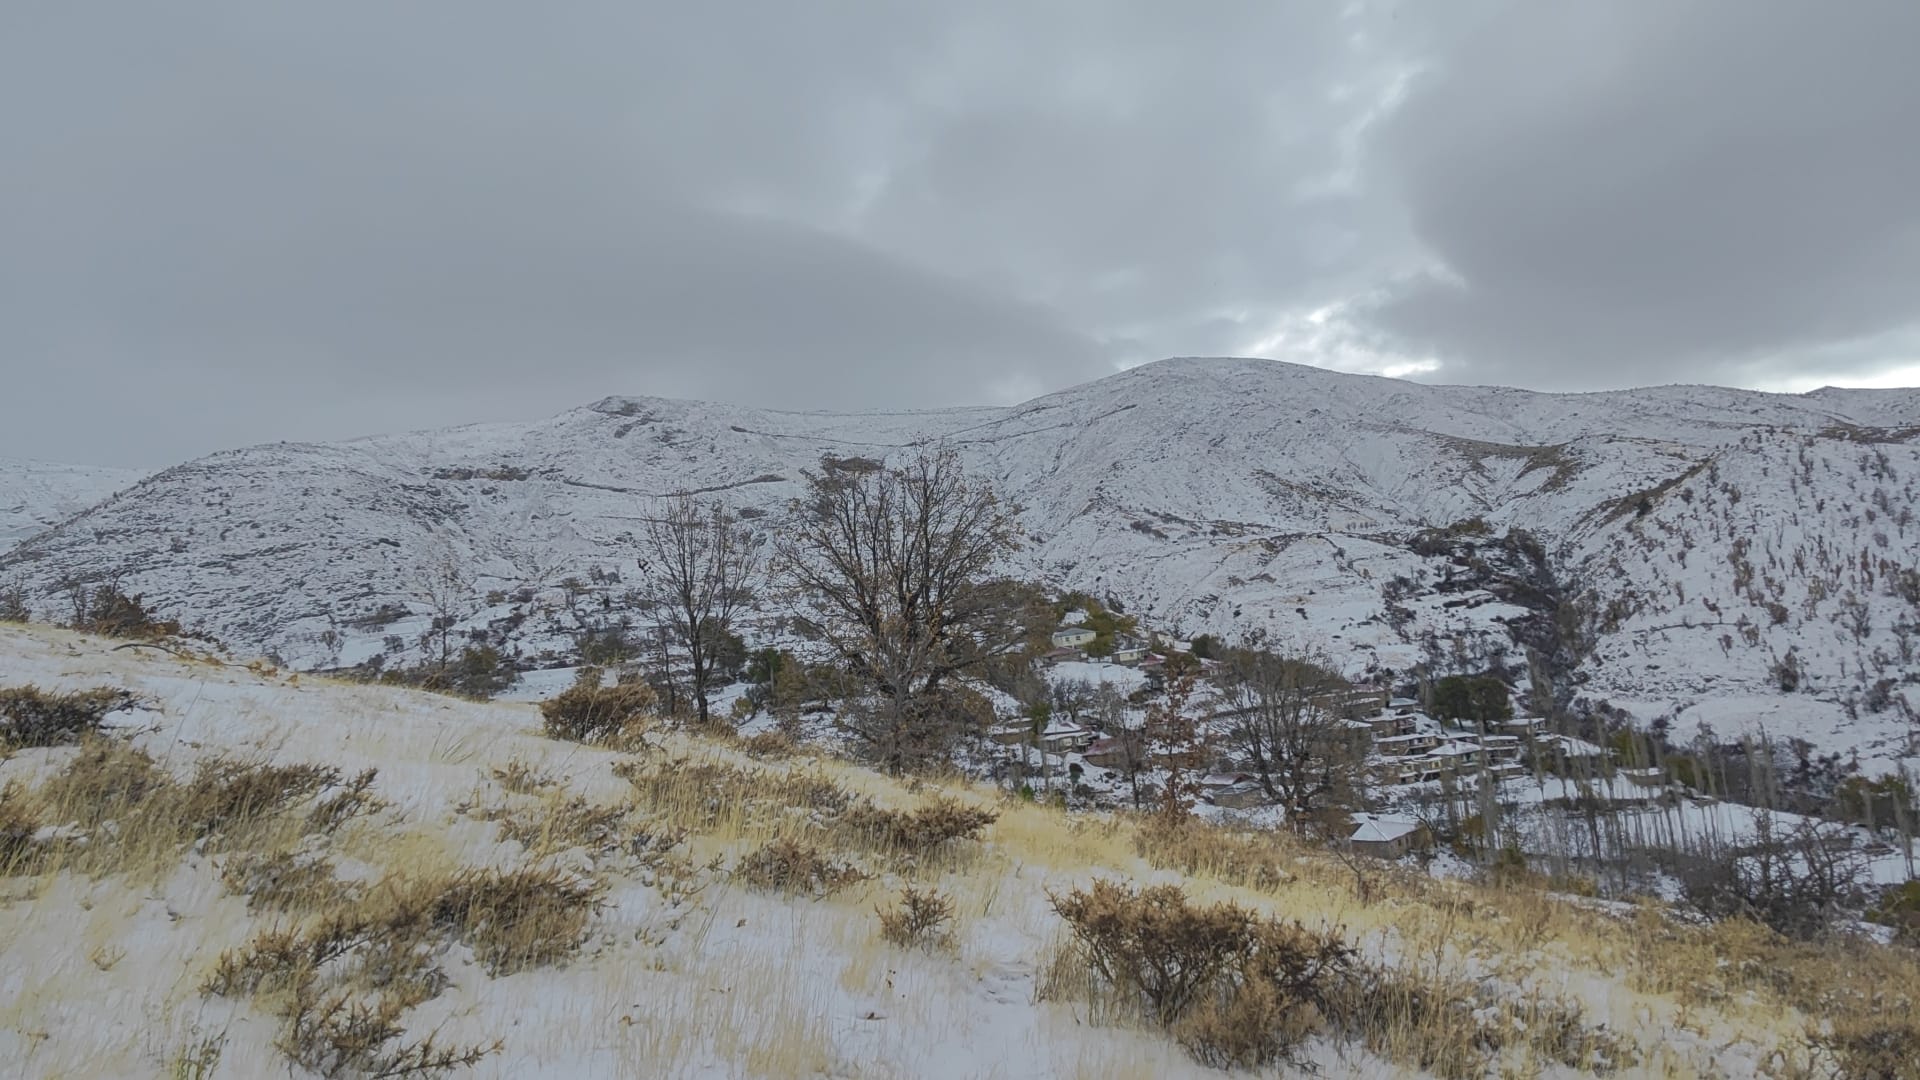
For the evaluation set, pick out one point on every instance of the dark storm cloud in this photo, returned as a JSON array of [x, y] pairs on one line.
[[224, 222], [1621, 193]]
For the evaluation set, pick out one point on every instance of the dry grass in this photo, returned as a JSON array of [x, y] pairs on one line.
[[114, 810]]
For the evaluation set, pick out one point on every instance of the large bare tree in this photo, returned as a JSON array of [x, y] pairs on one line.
[[897, 568], [1305, 754], [698, 563]]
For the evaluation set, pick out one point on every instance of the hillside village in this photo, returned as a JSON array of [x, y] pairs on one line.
[[1425, 775]]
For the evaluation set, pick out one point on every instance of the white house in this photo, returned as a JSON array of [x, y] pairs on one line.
[[1388, 838], [1072, 637]]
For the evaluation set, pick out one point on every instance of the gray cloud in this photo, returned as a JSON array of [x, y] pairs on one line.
[[224, 222], [1622, 193], [233, 222]]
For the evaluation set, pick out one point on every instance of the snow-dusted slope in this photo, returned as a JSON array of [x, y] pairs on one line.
[[37, 495], [1232, 496]]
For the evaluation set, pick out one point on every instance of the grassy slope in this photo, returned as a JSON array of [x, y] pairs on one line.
[[687, 972]]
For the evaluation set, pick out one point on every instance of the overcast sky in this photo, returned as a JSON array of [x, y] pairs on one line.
[[233, 222]]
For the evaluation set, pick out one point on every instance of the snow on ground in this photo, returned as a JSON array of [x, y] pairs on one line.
[[101, 977], [1126, 679], [756, 986]]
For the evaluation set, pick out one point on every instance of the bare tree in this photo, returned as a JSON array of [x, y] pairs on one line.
[[1175, 743], [1116, 720], [896, 566], [699, 562], [445, 587], [1305, 754]]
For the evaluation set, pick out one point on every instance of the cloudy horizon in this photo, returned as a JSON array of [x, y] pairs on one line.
[[226, 223]]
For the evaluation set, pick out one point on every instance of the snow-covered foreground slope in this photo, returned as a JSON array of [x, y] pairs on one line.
[[1382, 522], [37, 495], [685, 971]]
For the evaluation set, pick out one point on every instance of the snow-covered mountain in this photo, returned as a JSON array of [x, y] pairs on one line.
[[37, 495], [1665, 550]]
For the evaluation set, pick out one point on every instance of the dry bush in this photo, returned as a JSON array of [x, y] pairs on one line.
[[121, 812], [921, 831], [1455, 1028], [30, 716], [702, 793], [20, 850], [791, 867], [591, 713], [106, 609], [337, 1033], [921, 919], [516, 777], [286, 881], [1250, 1028], [516, 919], [772, 743], [226, 794], [562, 823], [342, 985], [1882, 1047], [1238, 987], [354, 799]]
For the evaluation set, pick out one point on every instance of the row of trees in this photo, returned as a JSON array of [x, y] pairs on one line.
[[893, 570]]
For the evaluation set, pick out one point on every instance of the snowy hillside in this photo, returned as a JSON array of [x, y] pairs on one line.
[[1660, 549], [256, 874], [37, 495]]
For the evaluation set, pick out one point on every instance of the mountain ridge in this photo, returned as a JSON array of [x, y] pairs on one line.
[[1386, 523]]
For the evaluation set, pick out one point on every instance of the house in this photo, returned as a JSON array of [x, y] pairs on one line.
[[1113, 753], [1354, 703], [1242, 796], [1403, 706], [1072, 637], [1507, 770], [1401, 770], [1522, 726], [1405, 745], [1060, 737], [1501, 748], [1389, 838], [1061, 656], [1388, 724], [1456, 757], [1012, 734], [1128, 652], [1644, 778]]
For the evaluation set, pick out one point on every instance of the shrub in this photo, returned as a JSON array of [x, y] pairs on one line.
[[19, 827], [337, 1034], [1254, 1026], [589, 712], [285, 881], [105, 609], [921, 831], [1880, 1047], [225, 794], [30, 716], [1899, 907], [772, 743], [1152, 944], [130, 815], [792, 867], [920, 919], [517, 919]]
